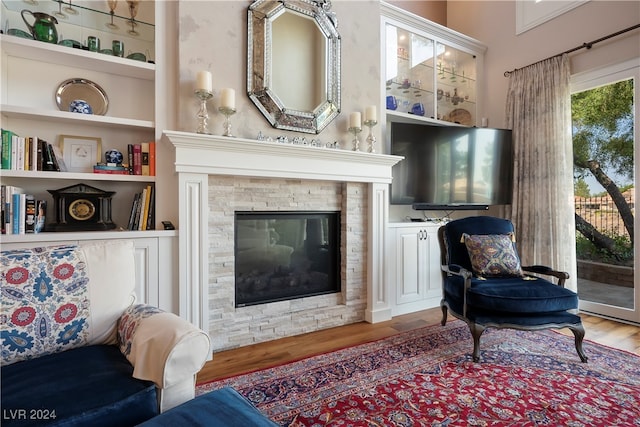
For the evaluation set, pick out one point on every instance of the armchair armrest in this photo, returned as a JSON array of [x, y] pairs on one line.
[[165, 349], [457, 270], [543, 269]]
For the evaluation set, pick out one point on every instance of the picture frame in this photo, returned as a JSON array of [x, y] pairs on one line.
[[80, 153]]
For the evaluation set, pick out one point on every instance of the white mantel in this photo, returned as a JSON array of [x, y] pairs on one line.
[[219, 155], [198, 156]]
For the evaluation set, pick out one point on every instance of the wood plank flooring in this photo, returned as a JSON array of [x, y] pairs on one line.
[[263, 355]]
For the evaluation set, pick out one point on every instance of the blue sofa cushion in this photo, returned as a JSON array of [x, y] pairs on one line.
[[487, 318], [224, 407], [513, 295], [86, 386]]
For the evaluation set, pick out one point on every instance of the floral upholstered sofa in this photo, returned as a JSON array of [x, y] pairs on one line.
[[78, 351]]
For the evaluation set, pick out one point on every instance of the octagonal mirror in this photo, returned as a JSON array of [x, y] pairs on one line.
[[293, 63]]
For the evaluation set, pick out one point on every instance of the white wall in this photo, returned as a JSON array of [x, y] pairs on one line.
[[493, 22], [213, 37]]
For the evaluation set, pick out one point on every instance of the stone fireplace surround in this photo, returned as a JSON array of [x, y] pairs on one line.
[[219, 175]]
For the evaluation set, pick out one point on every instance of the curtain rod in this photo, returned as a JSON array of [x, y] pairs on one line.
[[582, 46]]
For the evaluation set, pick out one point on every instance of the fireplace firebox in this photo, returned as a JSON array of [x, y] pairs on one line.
[[285, 255]]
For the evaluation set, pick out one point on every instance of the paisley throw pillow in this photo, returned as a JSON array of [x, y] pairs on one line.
[[493, 255]]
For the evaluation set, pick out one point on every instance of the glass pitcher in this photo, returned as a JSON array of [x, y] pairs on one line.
[[44, 26]]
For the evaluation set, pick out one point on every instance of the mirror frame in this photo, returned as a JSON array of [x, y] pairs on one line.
[[261, 15]]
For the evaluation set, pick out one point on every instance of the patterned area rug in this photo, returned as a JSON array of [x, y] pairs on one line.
[[425, 377]]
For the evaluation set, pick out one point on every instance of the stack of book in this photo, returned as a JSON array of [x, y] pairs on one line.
[[142, 216], [21, 213], [142, 158], [29, 153], [141, 161]]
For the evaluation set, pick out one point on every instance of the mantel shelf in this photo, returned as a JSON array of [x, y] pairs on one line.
[[219, 155]]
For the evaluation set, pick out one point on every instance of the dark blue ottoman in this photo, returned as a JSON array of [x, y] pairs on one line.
[[220, 408]]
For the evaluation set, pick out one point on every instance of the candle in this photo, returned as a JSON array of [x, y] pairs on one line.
[[204, 81], [370, 114], [355, 120], [228, 98]]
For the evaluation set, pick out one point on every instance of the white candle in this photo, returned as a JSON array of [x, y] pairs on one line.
[[228, 98], [370, 114], [355, 120], [204, 81]]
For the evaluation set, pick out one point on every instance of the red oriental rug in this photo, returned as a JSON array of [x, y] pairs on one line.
[[425, 377]]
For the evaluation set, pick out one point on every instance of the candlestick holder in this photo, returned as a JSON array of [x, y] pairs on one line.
[[203, 114], [371, 140], [356, 142], [228, 112]]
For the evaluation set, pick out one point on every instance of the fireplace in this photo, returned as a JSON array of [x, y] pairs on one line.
[[282, 255]]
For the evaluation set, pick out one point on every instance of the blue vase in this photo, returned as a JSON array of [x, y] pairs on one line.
[[113, 156]]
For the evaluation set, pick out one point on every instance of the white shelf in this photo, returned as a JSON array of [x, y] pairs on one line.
[[83, 235], [5, 173], [56, 54], [71, 118]]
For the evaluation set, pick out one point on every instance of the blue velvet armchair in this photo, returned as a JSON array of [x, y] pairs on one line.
[[485, 285]]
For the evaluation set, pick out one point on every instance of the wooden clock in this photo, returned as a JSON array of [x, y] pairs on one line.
[[81, 207]]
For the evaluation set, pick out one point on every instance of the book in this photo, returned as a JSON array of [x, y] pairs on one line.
[[56, 166], [113, 172], [144, 158], [136, 222], [3, 210], [152, 158], [130, 158], [29, 214], [15, 141], [19, 164], [144, 209], [102, 168], [5, 154], [47, 157], [134, 211], [137, 159], [59, 158], [151, 223], [41, 215], [40, 155]]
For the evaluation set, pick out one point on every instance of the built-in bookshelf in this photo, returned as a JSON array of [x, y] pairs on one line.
[[32, 74]]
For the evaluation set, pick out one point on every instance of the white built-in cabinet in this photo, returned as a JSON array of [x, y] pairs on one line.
[[31, 72], [430, 71], [415, 267], [155, 276], [424, 65]]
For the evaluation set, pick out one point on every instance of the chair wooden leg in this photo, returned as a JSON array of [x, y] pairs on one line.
[[578, 332], [444, 314], [476, 332]]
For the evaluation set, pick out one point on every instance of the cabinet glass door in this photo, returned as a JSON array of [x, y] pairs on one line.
[[456, 85], [425, 77], [409, 72]]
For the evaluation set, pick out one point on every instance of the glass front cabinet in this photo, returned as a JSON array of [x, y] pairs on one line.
[[430, 71]]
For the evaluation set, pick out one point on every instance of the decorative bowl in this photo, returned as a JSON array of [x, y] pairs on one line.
[[20, 33], [137, 56], [113, 156], [80, 106]]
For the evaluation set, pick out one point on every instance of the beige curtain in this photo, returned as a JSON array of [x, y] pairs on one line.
[[539, 112]]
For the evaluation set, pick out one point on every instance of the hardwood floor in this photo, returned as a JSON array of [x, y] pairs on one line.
[[263, 355]]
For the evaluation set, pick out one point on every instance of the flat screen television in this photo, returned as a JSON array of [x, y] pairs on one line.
[[451, 167]]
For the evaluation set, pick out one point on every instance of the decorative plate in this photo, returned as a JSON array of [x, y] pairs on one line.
[[78, 88], [461, 116]]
